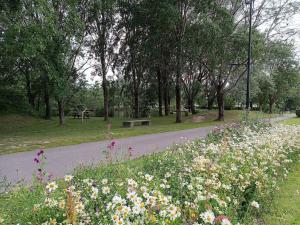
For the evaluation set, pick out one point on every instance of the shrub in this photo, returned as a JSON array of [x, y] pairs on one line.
[[298, 112]]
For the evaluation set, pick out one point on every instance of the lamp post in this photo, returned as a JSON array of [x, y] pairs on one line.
[[250, 3]]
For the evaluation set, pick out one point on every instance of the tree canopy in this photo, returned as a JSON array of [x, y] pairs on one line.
[[169, 55]]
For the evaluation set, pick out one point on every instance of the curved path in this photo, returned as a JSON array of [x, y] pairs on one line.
[[63, 160]]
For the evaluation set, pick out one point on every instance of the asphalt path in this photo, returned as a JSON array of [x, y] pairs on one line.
[[63, 160]]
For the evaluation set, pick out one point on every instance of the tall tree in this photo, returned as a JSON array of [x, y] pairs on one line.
[[102, 21], [283, 71], [64, 37], [183, 8]]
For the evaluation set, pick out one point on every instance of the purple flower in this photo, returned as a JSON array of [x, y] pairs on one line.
[[50, 176], [111, 145], [40, 152]]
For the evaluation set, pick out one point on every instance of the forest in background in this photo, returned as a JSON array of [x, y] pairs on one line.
[[165, 55]]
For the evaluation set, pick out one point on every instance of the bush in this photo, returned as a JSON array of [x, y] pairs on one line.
[[298, 112], [99, 112]]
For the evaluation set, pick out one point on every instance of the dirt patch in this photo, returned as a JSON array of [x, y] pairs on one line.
[[197, 119]]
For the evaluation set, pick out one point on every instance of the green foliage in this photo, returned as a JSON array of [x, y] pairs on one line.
[[277, 78], [298, 112], [13, 101], [142, 50]]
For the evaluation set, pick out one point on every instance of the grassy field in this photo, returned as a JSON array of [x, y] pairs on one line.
[[23, 133], [292, 121]]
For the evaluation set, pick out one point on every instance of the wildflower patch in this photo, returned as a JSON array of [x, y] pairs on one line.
[[224, 179]]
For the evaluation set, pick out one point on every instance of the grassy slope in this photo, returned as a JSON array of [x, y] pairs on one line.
[[286, 205], [23, 133]]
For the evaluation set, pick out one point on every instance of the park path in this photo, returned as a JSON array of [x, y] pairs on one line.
[[63, 160]]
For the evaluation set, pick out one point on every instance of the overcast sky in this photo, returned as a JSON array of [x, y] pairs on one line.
[[296, 25], [293, 24]]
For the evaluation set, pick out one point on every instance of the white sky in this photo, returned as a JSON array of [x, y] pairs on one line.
[[293, 24], [296, 25]]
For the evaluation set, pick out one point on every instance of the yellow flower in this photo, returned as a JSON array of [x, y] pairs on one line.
[[53, 221], [167, 221], [36, 207], [68, 178], [153, 219], [193, 215], [115, 217], [51, 186], [61, 204]]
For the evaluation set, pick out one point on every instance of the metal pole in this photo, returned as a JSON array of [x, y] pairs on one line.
[[249, 61]]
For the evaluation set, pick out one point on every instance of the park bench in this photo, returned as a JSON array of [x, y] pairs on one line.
[[131, 123], [185, 112]]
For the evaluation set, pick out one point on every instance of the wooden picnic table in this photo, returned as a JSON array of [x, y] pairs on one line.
[[131, 123], [78, 115]]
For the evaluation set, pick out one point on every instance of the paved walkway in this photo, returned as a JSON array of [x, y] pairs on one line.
[[63, 160]]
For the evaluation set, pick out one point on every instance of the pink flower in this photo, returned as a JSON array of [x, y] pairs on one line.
[[111, 145]]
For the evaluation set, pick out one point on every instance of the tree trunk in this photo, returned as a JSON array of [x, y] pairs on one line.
[[37, 107], [193, 110], [210, 102], [166, 101], [271, 104], [61, 112], [102, 48], [178, 101], [178, 83], [105, 88], [105, 98], [160, 111], [189, 103], [260, 106], [135, 95], [30, 96], [47, 98], [136, 103], [220, 99], [166, 92]]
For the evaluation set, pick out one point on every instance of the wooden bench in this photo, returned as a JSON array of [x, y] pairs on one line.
[[186, 113], [131, 123]]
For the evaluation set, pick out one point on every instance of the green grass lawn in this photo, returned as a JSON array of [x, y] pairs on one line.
[[292, 121], [285, 207], [23, 133]]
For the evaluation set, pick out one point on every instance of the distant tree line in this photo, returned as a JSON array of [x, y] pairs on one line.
[[148, 53]]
